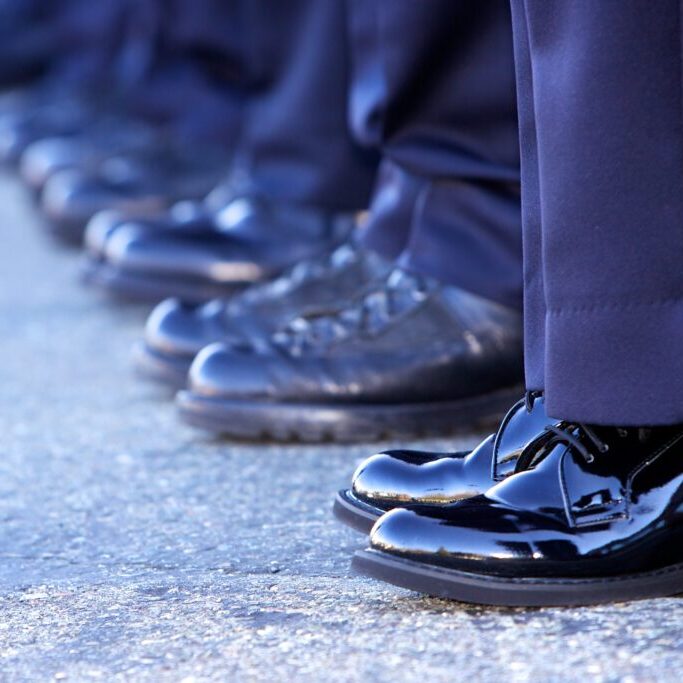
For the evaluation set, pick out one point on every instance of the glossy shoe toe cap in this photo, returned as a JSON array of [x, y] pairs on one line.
[[220, 371], [166, 247], [469, 536], [398, 478], [135, 244], [384, 478], [66, 198], [100, 228], [44, 158], [183, 329], [72, 195], [13, 142], [404, 532]]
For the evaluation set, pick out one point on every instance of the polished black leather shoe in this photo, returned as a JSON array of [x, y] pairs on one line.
[[593, 514], [149, 162], [91, 149], [177, 331], [45, 115], [407, 357], [197, 254], [141, 184], [185, 214], [405, 478]]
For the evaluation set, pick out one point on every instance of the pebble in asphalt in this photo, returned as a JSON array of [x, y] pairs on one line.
[[134, 548]]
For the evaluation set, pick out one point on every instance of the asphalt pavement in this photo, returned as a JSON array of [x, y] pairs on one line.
[[133, 548]]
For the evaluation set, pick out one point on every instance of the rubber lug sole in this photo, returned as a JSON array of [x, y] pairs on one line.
[[162, 368], [314, 423], [354, 513], [152, 288], [515, 592]]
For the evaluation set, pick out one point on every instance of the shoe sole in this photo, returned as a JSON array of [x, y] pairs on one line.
[[315, 423], [152, 288], [515, 592], [163, 368], [354, 513]]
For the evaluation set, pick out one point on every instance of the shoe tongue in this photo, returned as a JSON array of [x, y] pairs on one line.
[[537, 490], [518, 429], [562, 482]]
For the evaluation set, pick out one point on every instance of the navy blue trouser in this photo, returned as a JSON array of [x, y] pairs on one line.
[[160, 58], [183, 63], [433, 89], [72, 40], [601, 121], [272, 76], [296, 144]]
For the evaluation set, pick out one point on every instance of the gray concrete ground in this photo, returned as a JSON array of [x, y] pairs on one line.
[[133, 548]]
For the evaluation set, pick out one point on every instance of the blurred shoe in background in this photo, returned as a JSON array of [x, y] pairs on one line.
[[408, 357], [296, 184], [87, 151], [176, 331], [140, 183], [198, 252], [81, 45], [151, 121]]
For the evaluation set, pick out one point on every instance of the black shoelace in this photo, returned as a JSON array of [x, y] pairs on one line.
[[306, 271], [581, 437], [369, 314], [570, 434]]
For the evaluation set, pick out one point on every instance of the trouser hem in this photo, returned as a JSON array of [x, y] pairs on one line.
[[616, 365]]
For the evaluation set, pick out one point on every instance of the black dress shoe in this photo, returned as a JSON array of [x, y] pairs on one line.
[[42, 115], [186, 214], [408, 357], [405, 478], [143, 183], [592, 515], [183, 214], [89, 150], [177, 331], [197, 254]]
